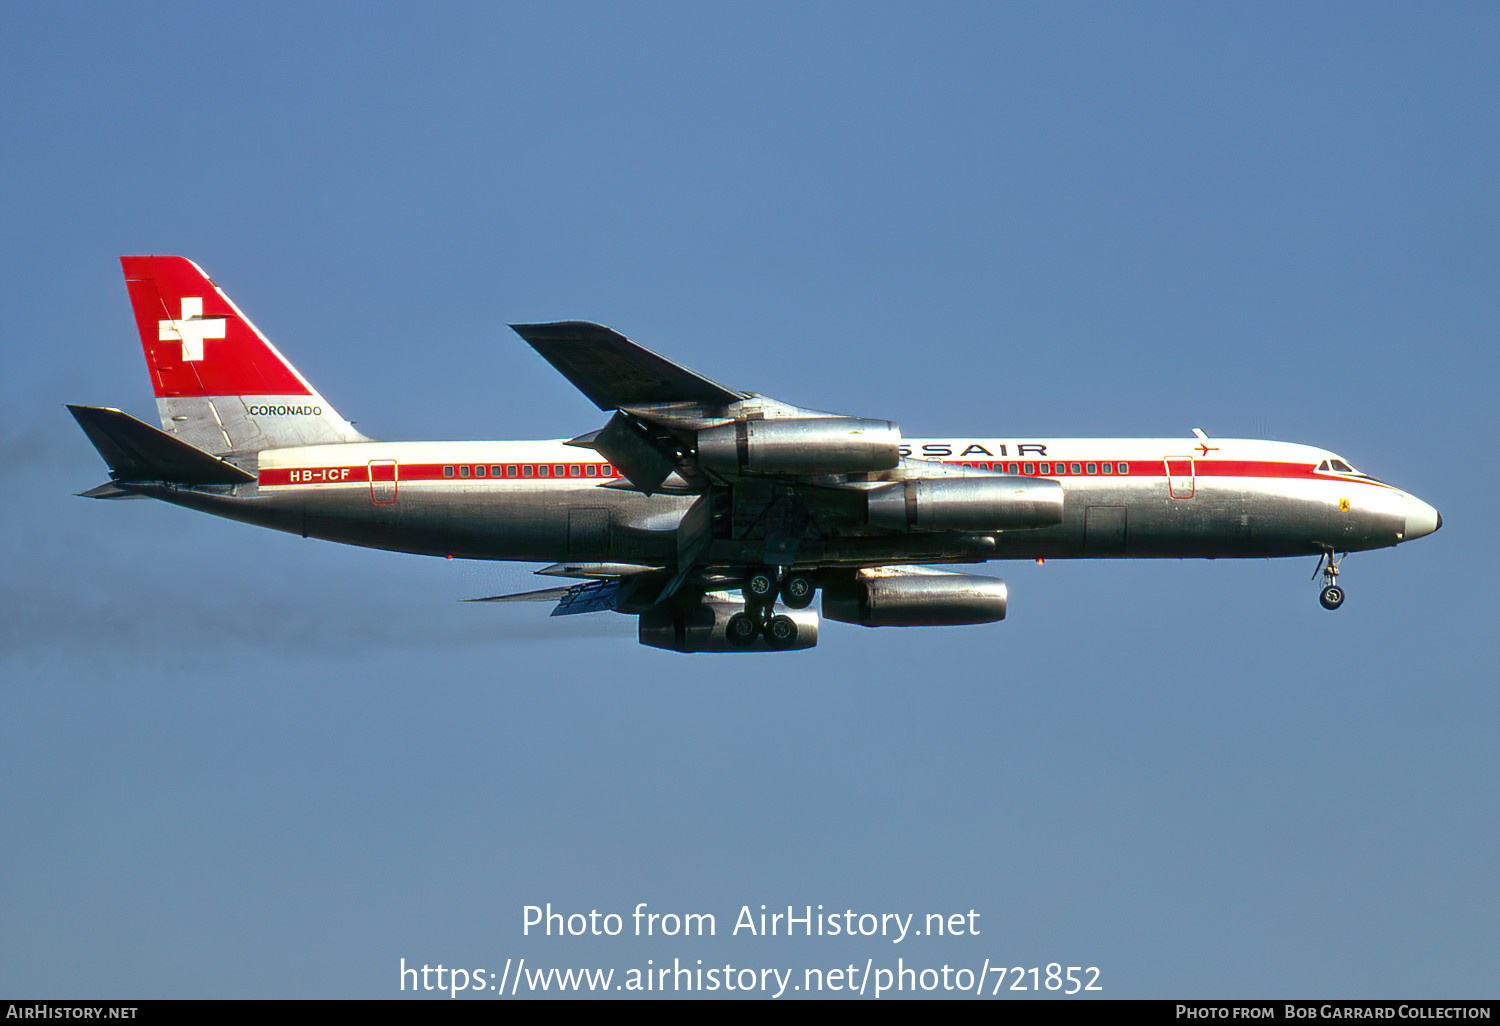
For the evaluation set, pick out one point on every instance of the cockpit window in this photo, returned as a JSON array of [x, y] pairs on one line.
[[1337, 467], [1334, 465]]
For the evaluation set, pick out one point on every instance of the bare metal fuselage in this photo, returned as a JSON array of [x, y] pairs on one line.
[[1155, 501]]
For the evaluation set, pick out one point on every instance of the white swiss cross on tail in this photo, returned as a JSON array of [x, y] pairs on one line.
[[192, 329]]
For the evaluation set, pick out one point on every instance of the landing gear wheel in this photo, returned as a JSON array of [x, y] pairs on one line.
[[1332, 596], [781, 632], [760, 588], [798, 591], [741, 630]]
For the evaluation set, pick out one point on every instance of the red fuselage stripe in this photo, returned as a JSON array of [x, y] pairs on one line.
[[511, 472], [519, 472]]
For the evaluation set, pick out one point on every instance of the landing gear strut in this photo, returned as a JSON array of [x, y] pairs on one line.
[[761, 590], [1332, 596]]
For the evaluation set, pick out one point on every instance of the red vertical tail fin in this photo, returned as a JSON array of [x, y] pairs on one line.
[[220, 384]]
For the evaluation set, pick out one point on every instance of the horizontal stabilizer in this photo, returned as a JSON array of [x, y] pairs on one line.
[[613, 371], [136, 451], [109, 490]]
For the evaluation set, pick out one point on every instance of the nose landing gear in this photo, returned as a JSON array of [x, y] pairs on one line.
[[1332, 596]]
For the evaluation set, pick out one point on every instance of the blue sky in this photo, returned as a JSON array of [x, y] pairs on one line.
[[238, 763]]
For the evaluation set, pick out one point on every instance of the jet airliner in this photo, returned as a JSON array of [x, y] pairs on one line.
[[715, 516]]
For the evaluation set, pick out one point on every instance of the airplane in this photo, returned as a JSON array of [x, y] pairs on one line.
[[715, 516]]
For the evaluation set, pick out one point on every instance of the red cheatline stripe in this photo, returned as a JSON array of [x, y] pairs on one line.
[[1147, 468], [406, 472], [603, 471]]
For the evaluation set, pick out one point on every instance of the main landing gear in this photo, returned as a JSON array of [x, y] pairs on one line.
[[761, 590], [1332, 596]]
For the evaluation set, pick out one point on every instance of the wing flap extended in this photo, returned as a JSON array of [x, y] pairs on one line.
[[591, 597]]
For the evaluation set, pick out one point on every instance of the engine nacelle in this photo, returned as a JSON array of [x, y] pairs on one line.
[[705, 626], [998, 503], [801, 445], [913, 599]]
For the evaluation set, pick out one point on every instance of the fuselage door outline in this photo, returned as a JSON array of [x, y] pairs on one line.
[[1182, 482], [383, 477]]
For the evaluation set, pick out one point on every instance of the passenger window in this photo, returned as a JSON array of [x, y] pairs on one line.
[[1123, 468], [480, 471], [1076, 469], [1044, 468], [543, 471], [510, 470], [1109, 468], [1014, 468], [591, 470], [1093, 468], [463, 471], [606, 471], [447, 471], [496, 471], [558, 470]]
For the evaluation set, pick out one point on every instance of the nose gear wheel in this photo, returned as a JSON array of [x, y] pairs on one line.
[[1332, 596]]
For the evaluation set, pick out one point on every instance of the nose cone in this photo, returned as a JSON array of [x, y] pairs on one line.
[[1421, 519]]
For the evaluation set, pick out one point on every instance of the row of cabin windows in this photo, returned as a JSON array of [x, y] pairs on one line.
[[530, 470], [605, 470], [1052, 469]]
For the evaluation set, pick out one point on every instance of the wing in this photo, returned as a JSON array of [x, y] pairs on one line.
[[621, 587], [676, 430], [789, 501], [591, 597], [614, 372]]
